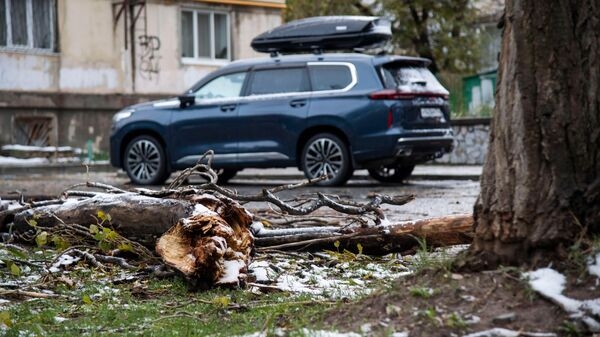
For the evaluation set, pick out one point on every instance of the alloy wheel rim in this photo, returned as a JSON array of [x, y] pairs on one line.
[[324, 157], [143, 160]]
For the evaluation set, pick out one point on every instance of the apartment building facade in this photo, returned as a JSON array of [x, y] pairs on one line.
[[67, 65]]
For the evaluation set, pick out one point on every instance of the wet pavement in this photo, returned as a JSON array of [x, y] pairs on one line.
[[439, 190]]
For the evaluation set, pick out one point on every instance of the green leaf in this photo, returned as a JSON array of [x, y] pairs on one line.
[[86, 299], [360, 248], [336, 244], [101, 215], [14, 269], [105, 246], [221, 301], [41, 239], [125, 247], [32, 222], [5, 318], [60, 243], [94, 229]]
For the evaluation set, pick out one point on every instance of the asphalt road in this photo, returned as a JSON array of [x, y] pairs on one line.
[[434, 197]]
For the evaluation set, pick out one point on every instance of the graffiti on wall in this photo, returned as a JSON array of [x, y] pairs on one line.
[[149, 57]]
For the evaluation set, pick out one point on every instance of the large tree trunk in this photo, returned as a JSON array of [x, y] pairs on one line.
[[540, 188]]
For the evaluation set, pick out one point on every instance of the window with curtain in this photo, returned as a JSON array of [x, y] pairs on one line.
[[27, 24], [205, 35]]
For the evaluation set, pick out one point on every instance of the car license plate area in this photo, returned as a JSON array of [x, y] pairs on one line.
[[431, 113]]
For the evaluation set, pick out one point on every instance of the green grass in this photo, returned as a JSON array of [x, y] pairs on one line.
[[162, 308]]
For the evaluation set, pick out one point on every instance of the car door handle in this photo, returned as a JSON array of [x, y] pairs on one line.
[[227, 107], [298, 103]]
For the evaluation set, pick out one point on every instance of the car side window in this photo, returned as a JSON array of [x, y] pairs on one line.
[[278, 81], [229, 85], [329, 77]]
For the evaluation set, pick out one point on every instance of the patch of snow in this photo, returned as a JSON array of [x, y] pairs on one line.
[[29, 148], [500, 332], [59, 319], [594, 265], [550, 284], [323, 333], [399, 334], [231, 274], [200, 209], [9, 161], [261, 274], [63, 260]]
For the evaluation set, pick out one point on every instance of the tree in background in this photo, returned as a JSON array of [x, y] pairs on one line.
[[540, 188], [299, 9], [440, 30]]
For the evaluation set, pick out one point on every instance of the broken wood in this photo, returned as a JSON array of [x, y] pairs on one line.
[[375, 240], [204, 233]]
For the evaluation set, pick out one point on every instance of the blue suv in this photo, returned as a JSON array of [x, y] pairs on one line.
[[327, 114]]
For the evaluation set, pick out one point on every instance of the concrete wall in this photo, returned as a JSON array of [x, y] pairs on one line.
[[471, 141]]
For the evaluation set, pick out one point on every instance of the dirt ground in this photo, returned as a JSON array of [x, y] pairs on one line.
[[443, 303]]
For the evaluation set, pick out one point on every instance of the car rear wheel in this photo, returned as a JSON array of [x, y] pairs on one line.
[[145, 161], [326, 154], [391, 174]]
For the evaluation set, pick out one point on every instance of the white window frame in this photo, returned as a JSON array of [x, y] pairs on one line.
[[207, 60], [29, 18]]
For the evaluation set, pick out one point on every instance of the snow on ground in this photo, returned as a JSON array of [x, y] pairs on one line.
[[326, 275], [49, 149], [551, 284], [12, 161]]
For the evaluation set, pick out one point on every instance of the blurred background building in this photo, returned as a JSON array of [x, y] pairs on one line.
[[66, 66]]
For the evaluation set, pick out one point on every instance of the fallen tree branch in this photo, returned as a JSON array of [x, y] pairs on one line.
[[376, 240]]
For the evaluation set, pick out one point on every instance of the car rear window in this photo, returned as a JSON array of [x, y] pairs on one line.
[[277, 81], [410, 78], [329, 77]]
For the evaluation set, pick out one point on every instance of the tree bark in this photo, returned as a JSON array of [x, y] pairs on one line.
[[377, 240], [540, 188], [137, 217]]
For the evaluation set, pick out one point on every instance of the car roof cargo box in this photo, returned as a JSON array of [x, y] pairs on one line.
[[322, 33]]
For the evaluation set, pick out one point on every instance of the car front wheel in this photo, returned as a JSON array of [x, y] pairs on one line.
[[391, 174], [326, 155], [145, 161]]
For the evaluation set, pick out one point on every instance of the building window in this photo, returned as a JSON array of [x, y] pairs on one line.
[[27, 24], [205, 35]]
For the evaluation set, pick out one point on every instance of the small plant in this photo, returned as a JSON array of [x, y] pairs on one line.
[[570, 329], [455, 321], [422, 292]]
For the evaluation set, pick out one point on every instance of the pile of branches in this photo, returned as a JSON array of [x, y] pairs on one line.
[[203, 232]]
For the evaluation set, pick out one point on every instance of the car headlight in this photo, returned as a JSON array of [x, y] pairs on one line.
[[122, 115]]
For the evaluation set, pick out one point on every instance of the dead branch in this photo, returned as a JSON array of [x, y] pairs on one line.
[[375, 240]]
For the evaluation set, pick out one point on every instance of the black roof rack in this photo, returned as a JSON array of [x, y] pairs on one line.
[[325, 33]]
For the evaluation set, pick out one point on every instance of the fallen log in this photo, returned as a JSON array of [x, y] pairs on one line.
[[374, 240], [137, 217]]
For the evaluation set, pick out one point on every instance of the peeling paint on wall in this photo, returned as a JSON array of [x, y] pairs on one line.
[[88, 78], [27, 72]]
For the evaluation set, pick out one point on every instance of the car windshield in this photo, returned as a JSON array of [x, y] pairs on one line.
[[409, 78]]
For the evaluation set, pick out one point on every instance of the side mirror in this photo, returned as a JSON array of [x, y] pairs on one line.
[[186, 100]]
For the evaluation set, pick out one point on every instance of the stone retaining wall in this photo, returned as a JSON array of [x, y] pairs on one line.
[[471, 141]]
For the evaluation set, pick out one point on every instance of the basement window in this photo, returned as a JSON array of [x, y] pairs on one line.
[[205, 35], [28, 24]]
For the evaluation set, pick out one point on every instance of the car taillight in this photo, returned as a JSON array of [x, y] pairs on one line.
[[390, 119], [393, 94]]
